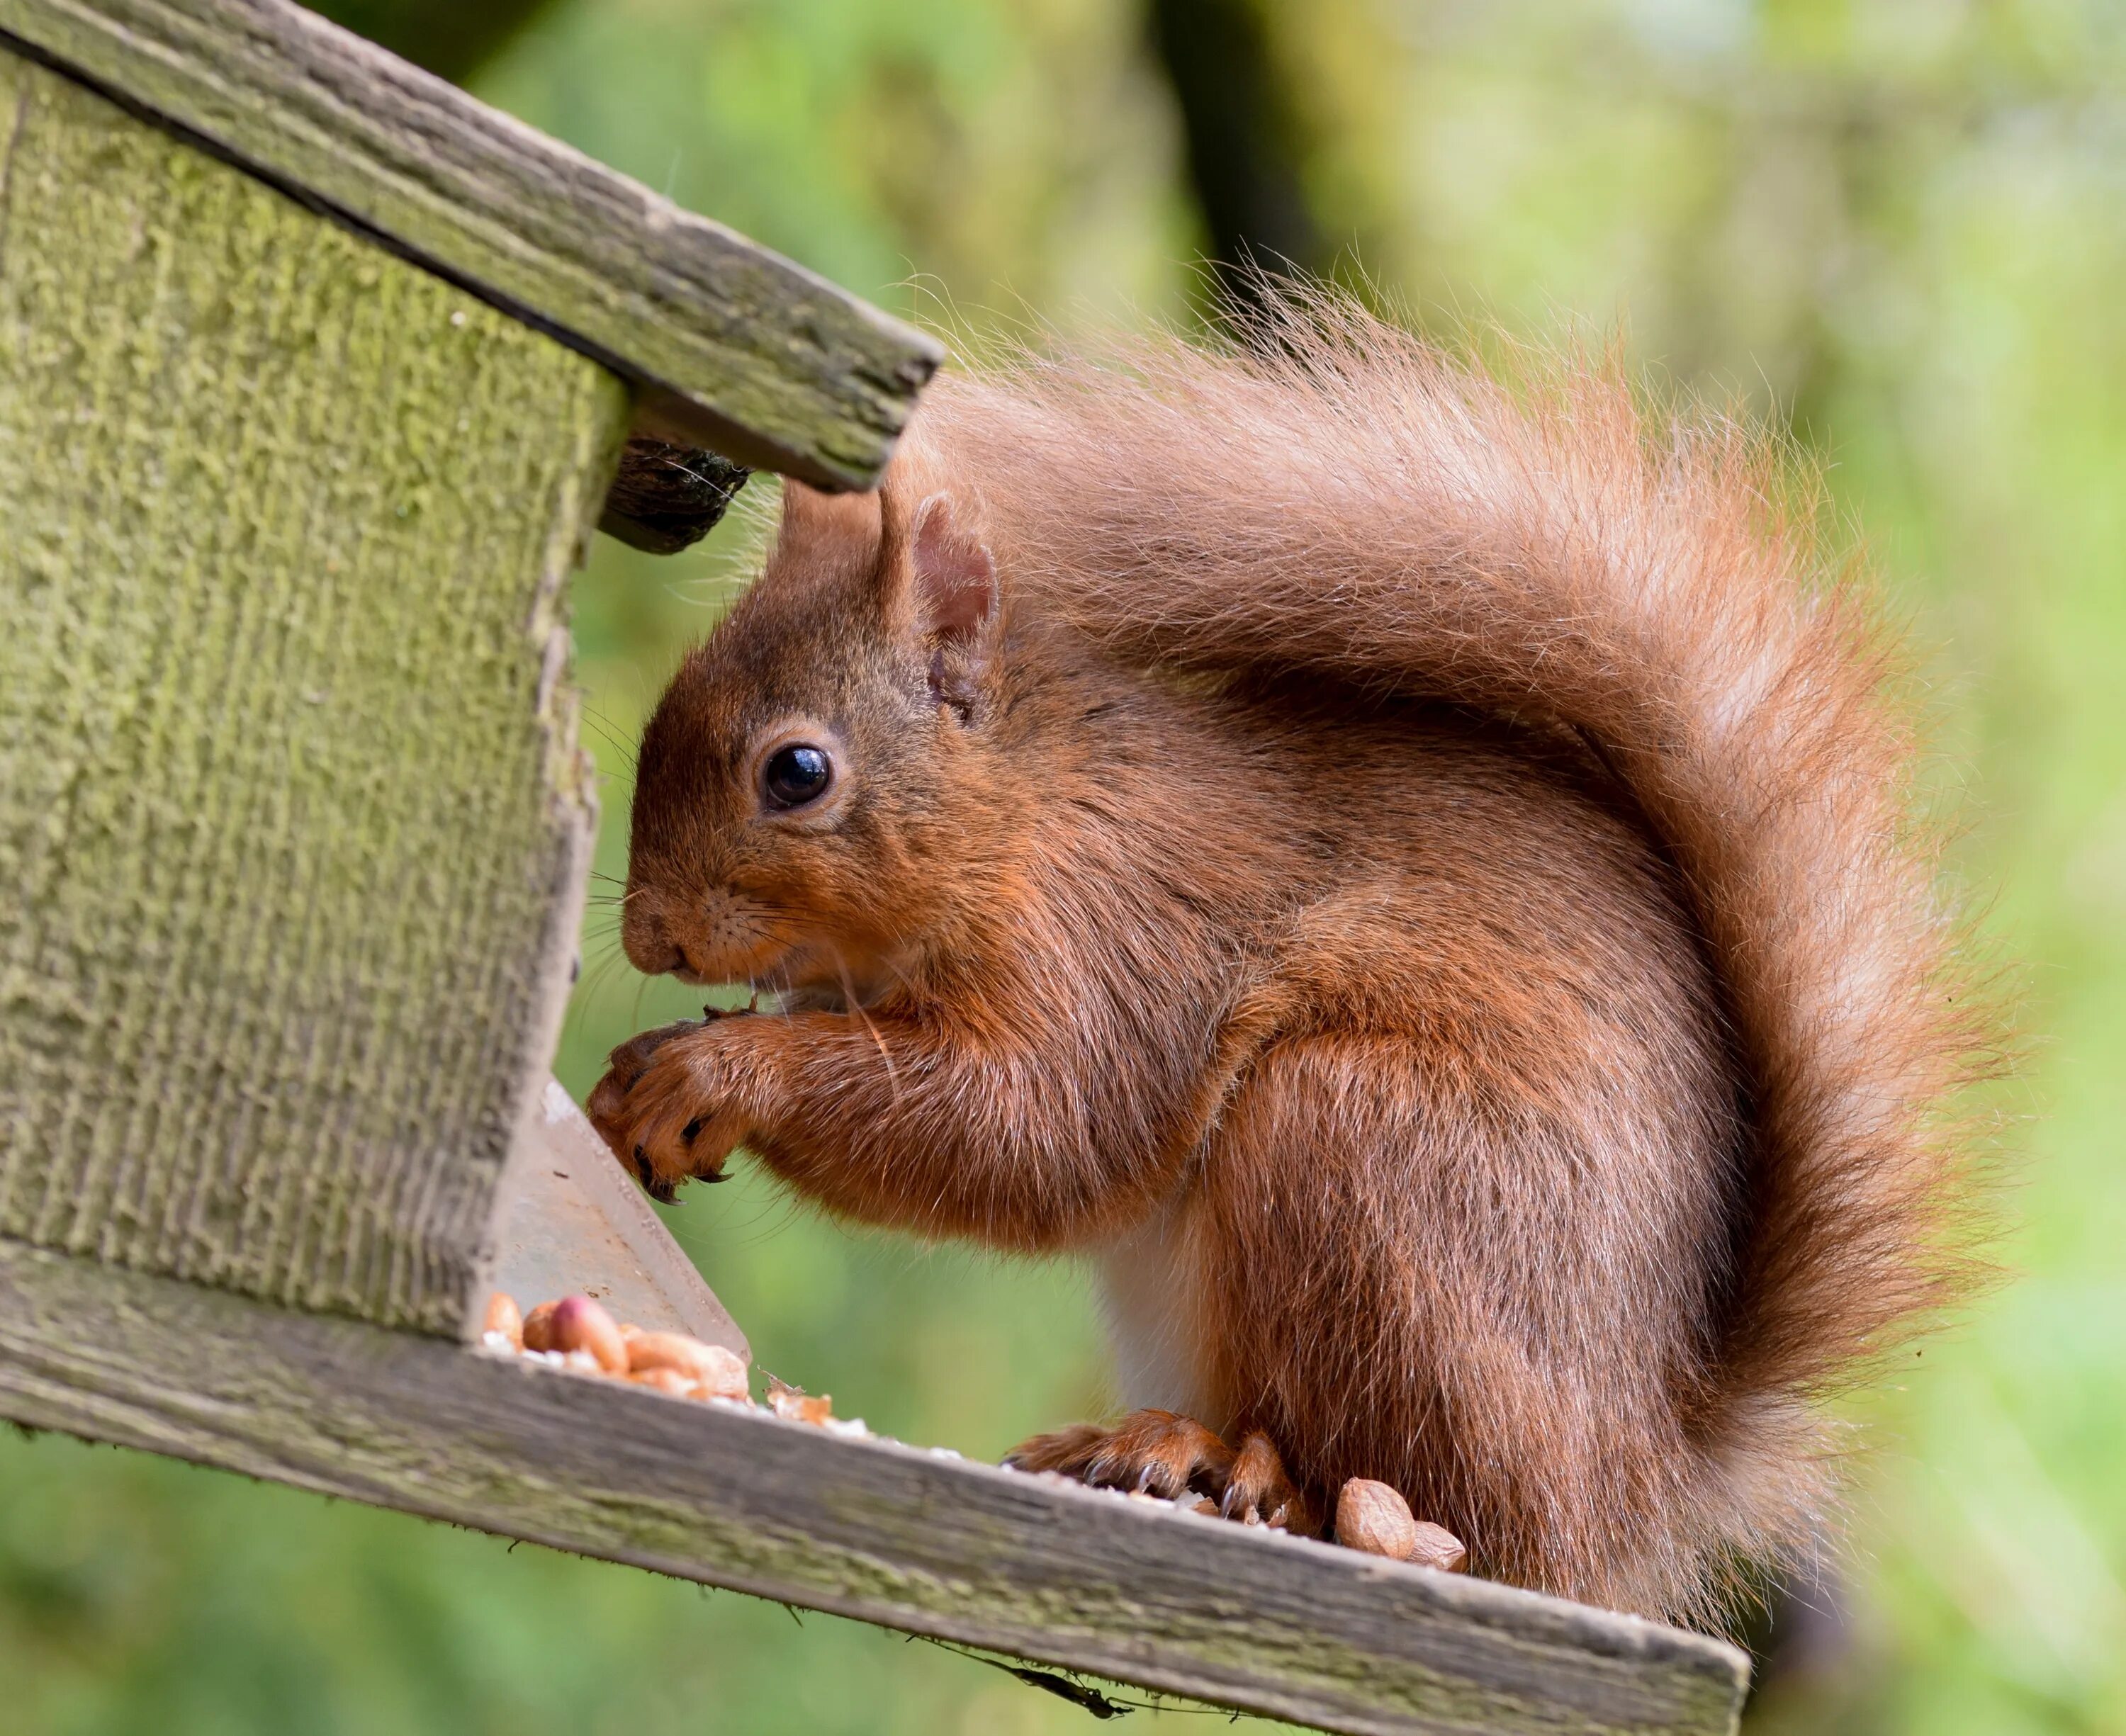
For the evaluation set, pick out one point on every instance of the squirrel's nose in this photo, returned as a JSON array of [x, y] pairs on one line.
[[649, 943]]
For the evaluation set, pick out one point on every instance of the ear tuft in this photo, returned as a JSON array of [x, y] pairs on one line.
[[955, 589]]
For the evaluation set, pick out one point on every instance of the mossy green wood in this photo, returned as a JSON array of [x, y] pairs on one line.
[[292, 819]]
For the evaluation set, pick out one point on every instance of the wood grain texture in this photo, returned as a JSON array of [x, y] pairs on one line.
[[736, 348], [889, 1534], [292, 819]]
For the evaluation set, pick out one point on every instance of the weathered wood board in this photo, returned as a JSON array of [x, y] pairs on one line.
[[733, 347], [891, 1533], [293, 824]]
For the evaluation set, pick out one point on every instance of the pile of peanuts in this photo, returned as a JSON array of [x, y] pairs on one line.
[[580, 1334]]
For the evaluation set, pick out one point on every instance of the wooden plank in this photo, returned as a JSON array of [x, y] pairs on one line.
[[293, 822], [572, 1220], [891, 1533], [735, 348]]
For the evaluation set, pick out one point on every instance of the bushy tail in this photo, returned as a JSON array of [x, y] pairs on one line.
[[1351, 503]]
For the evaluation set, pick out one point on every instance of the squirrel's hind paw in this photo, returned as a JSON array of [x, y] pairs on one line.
[[1150, 1452], [1156, 1452], [1260, 1491]]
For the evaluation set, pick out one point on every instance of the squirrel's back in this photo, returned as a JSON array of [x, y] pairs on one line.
[[1344, 505]]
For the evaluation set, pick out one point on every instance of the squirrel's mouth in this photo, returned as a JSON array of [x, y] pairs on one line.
[[703, 940], [760, 966], [703, 967], [730, 942]]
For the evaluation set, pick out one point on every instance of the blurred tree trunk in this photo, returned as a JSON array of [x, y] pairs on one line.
[[450, 38], [1244, 138]]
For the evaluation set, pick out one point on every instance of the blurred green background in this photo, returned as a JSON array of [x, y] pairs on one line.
[[1898, 226]]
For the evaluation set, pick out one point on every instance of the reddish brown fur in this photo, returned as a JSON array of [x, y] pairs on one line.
[[1417, 872]]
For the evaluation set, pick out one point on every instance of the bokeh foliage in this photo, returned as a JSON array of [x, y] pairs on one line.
[[1900, 224]]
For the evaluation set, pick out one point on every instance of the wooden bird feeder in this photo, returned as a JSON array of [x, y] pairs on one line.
[[316, 375]]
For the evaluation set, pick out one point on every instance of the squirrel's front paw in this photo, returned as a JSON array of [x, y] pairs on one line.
[[660, 1108]]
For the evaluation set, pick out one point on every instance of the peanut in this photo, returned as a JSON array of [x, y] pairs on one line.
[[503, 1316], [792, 1402], [1373, 1518], [1438, 1547], [579, 1323], [718, 1371], [667, 1380], [538, 1329]]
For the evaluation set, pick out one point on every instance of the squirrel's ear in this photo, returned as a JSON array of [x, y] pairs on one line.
[[954, 578]]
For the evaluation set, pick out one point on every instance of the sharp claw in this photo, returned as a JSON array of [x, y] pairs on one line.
[[1146, 1478], [721, 1175], [664, 1192]]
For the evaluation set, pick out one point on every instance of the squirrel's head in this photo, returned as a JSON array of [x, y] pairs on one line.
[[814, 779]]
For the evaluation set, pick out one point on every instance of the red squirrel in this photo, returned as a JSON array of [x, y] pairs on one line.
[[1413, 875]]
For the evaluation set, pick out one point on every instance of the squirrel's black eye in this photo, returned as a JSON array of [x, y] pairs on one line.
[[795, 775]]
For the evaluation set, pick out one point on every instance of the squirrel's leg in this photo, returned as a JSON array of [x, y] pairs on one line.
[[1415, 1280]]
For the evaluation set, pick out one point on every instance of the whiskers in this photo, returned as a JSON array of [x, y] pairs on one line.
[[592, 989], [854, 1002], [606, 965], [610, 733]]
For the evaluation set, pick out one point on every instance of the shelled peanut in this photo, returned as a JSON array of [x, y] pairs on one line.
[[503, 1321], [1374, 1518], [581, 1334]]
